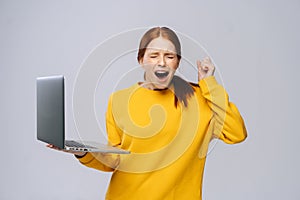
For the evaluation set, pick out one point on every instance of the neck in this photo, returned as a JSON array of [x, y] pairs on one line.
[[151, 86]]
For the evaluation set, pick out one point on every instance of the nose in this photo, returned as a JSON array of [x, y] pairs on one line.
[[161, 61]]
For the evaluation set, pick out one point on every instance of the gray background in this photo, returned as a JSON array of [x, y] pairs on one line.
[[255, 45]]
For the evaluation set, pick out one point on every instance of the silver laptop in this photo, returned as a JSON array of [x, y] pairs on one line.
[[51, 118]]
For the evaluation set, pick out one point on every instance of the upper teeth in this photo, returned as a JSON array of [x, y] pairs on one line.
[[161, 71]]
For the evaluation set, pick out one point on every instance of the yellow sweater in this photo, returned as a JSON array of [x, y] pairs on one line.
[[168, 145]]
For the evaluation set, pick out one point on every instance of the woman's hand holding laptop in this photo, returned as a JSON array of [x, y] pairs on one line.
[[113, 160]]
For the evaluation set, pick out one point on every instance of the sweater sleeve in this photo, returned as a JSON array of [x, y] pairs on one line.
[[100, 161], [105, 161], [228, 125]]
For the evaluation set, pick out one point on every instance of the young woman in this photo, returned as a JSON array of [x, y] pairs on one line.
[[166, 123]]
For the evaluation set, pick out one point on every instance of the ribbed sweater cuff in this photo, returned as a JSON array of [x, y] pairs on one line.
[[207, 83], [88, 157]]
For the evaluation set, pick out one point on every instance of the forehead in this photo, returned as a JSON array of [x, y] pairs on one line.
[[161, 43]]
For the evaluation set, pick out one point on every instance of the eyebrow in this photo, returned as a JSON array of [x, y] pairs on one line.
[[153, 51]]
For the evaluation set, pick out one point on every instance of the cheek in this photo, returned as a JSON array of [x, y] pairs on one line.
[[147, 64], [174, 65], [148, 61]]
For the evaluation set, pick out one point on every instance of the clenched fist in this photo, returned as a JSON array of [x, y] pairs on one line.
[[205, 68]]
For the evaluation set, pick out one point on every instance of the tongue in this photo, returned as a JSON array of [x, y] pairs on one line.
[[161, 74]]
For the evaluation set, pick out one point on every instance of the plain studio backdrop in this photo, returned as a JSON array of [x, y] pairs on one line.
[[255, 45]]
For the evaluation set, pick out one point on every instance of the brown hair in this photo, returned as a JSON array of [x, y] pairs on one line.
[[183, 90]]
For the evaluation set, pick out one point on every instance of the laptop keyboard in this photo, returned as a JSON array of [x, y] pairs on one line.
[[72, 143]]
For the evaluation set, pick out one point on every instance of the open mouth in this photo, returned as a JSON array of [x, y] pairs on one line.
[[161, 74]]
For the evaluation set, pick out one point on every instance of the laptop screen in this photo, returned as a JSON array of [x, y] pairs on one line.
[[50, 110]]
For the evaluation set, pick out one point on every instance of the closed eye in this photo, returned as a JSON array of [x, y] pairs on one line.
[[153, 55], [170, 56]]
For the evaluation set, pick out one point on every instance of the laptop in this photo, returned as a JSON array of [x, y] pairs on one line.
[[50, 97]]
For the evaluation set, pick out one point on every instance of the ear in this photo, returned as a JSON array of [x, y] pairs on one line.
[[178, 62], [141, 61]]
